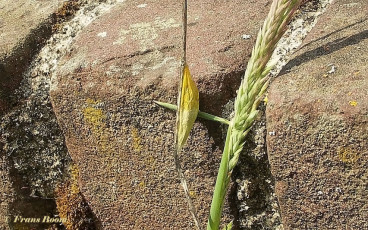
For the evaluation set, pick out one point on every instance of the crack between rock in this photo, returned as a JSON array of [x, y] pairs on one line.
[[140, 53]]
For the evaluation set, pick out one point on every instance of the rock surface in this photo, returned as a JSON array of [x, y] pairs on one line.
[[32, 149], [6, 193], [24, 26], [317, 122], [122, 143]]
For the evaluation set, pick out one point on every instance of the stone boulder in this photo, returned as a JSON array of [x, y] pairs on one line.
[[317, 122], [24, 27], [121, 142]]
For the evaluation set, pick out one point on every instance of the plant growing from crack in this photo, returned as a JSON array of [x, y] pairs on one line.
[[249, 95]]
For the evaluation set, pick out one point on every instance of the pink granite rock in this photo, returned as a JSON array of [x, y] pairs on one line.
[[317, 120], [102, 95]]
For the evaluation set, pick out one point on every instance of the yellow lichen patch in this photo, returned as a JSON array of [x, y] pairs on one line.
[[95, 118], [74, 174], [72, 208], [142, 184], [104, 143], [92, 102], [265, 100], [347, 155], [150, 162], [353, 103], [192, 194], [136, 140]]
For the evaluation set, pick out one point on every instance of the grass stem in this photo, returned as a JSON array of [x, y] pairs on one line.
[[250, 93], [201, 114]]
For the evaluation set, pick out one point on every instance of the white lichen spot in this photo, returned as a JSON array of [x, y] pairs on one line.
[[102, 34], [109, 83], [142, 5], [136, 68], [113, 69], [163, 63], [353, 4], [146, 32], [165, 24], [333, 68], [121, 38], [246, 36]]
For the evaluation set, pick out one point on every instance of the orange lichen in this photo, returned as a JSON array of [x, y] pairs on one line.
[[71, 205], [68, 199], [74, 174], [68, 9]]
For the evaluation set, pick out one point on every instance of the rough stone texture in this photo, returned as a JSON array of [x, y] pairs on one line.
[[71, 205], [317, 122], [257, 202], [122, 143], [24, 27], [6, 193], [32, 147]]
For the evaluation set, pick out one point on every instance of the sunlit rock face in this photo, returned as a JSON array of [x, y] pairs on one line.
[[317, 124], [102, 94]]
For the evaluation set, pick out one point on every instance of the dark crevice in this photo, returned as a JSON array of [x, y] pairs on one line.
[[214, 103], [139, 53], [30, 138], [232, 200], [26, 205], [13, 66], [92, 223], [255, 184], [334, 32]]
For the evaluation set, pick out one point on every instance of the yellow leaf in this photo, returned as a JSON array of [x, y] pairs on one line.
[[189, 107]]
